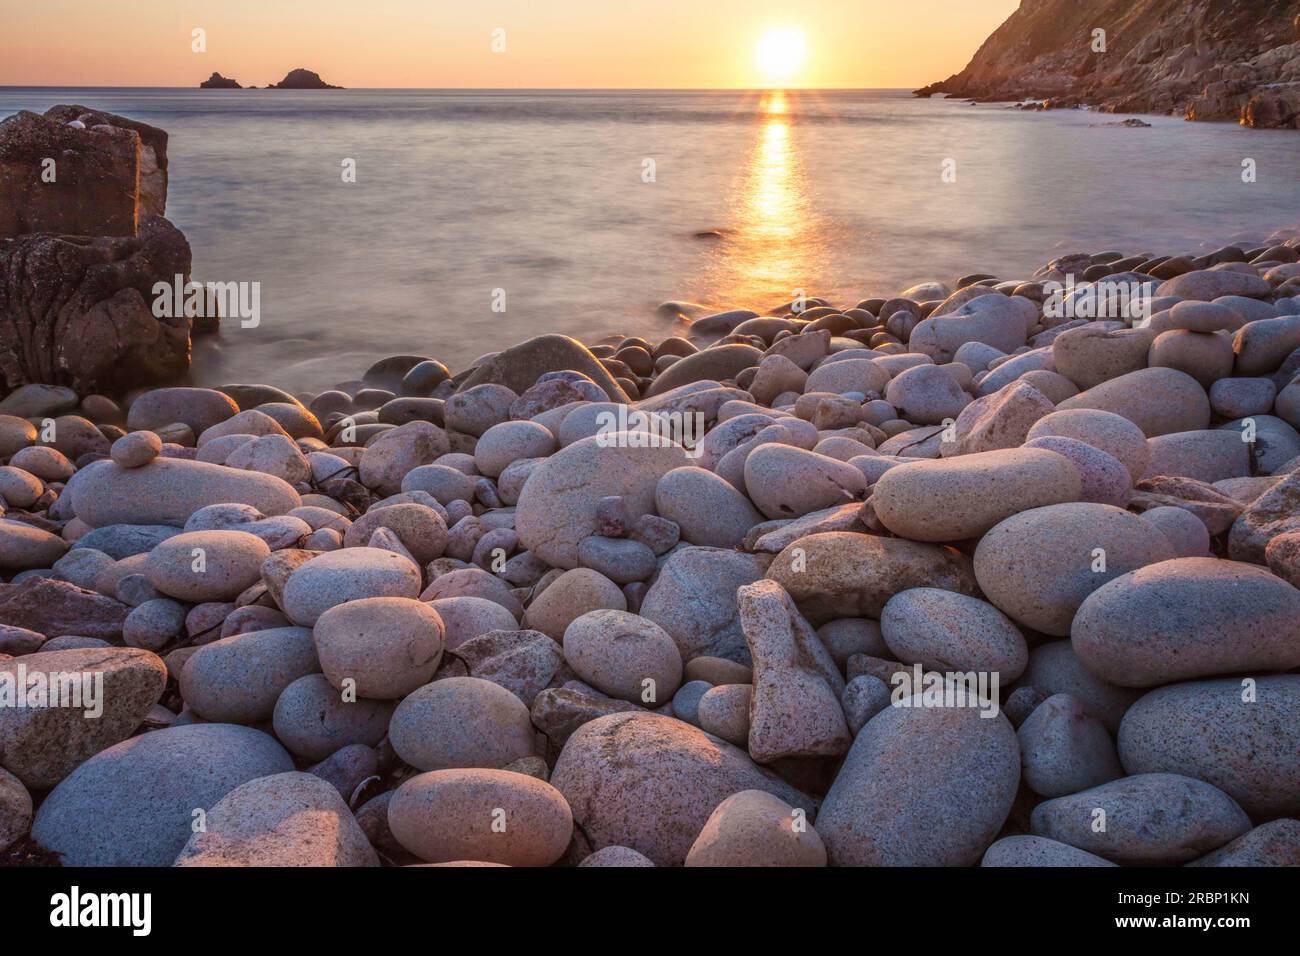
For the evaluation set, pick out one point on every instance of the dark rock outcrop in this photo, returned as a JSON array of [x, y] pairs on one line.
[[77, 311], [1201, 59], [152, 194], [218, 82], [81, 172], [301, 79]]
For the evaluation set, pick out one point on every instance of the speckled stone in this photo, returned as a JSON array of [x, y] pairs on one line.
[[1188, 618], [755, 828], [947, 631], [845, 574], [1240, 734], [962, 772], [492, 816], [650, 783], [1063, 749], [963, 497], [1038, 566], [461, 722], [1276, 843], [1038, 852], [1159, 819], [133, 804], [286, 819]]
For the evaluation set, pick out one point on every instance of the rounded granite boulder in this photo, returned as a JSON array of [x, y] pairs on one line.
[[238, 679], [491, 816], [944, 630], [756, 828], [624, 655], [460, 722], [386, 646], [313, 720], [1026, 850], [1103, 430], [1240, 734], [200, 566], [557, 508], [1160, 401], [961, 770], [1064, 749], [650, 783], [135, 803], [24, 547], [1188, 618], [707, 509], [1038, 566], [168, 490], [1151, 819], [284, 819], [348, 574], [951, 499]]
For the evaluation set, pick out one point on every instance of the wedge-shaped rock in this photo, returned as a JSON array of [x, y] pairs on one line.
[[85, 700], [286, 819], [794, 710]]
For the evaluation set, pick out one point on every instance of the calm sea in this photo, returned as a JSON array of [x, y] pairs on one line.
[[583, 211]]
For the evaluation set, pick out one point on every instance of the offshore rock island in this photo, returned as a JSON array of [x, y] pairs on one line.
[[299, 79]]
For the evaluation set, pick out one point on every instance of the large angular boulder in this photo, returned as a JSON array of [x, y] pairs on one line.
[[77, 702], [108, 173], [79, 311], [845, 574]]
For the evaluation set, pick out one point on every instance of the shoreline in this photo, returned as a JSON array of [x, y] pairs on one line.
[[1073, 532]]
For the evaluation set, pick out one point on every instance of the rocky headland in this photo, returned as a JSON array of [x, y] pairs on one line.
[[1201, 59], [921, 579]]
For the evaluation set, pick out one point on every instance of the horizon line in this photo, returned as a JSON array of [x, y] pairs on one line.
[[496, 89]]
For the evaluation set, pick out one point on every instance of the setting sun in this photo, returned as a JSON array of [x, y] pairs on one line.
[[780, 53]]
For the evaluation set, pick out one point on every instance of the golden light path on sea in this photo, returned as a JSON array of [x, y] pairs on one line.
[[775, 242]]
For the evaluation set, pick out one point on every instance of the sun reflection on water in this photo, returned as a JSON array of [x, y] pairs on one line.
[[774, 244]]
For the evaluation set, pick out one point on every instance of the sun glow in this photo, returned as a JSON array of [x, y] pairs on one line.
[[780, 53]]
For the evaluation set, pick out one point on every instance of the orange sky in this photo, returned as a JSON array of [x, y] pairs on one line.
[[440, 43]]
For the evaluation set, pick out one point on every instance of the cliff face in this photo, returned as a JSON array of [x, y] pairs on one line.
[[1202, 59]]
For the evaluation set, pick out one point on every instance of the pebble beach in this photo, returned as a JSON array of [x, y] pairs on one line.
[[938, 579]]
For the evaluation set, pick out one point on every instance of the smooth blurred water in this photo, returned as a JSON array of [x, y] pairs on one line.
[[541, 194]]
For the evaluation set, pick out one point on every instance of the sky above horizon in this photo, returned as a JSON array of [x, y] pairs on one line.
[[436, 43]]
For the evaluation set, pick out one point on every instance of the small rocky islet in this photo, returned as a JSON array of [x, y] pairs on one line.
[[658, 603]]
